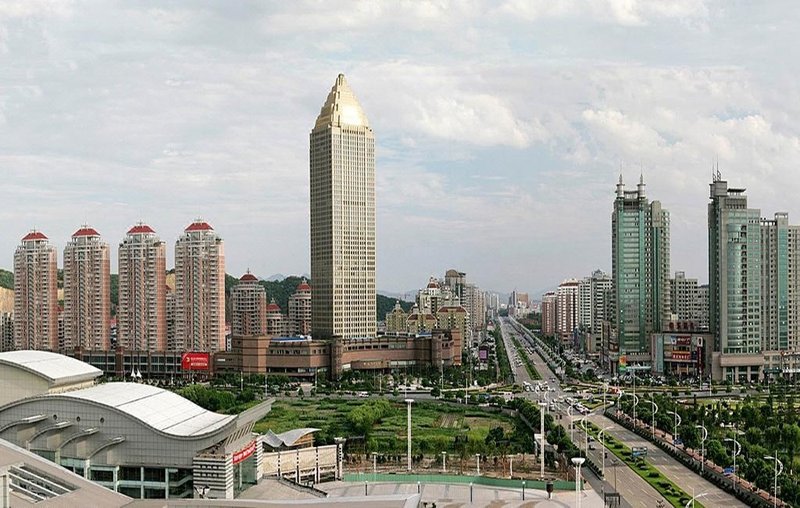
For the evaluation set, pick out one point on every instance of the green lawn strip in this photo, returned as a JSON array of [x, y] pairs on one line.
[[666, 487], [532, 372]]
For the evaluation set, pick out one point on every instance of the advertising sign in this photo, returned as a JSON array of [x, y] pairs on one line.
[[681, 355], [623, 364], [195, 361], [244, 453]]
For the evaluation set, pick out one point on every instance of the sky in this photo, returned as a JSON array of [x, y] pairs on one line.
[[501, 126]]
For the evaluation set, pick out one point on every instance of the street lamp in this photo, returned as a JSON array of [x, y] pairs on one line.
[[542, 406], [408, 434], [703, 446], [582, 423], [578, 462], [737, 449], [602, 437], [511, 466], [678, 421], [571, 425], [655, 410], [478, 463], [444, 462], [635, 403], [374, 464], [778, 471], [691, 501]]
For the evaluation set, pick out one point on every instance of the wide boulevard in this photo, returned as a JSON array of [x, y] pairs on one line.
[[633, 489]]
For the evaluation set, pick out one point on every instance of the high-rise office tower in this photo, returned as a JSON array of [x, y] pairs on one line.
[[567, 308], [734, 273], [342, 170], [776, 259], [199, 290], [300, 309], [640, 268], [593, 301], [549, 314], [142, 309], [87, 291], [35, 294], [248, 307]]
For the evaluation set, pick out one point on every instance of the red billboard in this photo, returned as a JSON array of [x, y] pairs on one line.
[[681, 355], [195, 361], [244, 453]]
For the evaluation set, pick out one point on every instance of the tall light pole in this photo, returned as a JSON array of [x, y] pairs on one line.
[[542, 407], [602, 437], [444, 462], [582, 423], [511, 466], [691, 501], [655, 410], [374, 465], [778, 471], [578, 462], [678, 421], [737, 449], [478, 463], [571, 424], [703, 446], [408, 432], [635, 399]]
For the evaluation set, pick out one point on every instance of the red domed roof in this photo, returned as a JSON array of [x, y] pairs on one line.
[[248, 277], [34, 235], [304, 286], [86, 231], [273, 307], [199, 225], [140, 228]]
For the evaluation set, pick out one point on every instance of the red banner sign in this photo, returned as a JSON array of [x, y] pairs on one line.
[[681, 355], [195, 361], [244, 453]]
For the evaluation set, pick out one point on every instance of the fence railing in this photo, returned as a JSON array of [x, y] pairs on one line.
[[456, 479]]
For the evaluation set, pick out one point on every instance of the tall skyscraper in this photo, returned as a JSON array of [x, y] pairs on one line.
[[776, 258], [593, 301], [87, 291], [199, 290], [567, 309], [734, 273], [35, 294], [549, 314], [142, 309], [640, 268], [248, 307], [342, 171]]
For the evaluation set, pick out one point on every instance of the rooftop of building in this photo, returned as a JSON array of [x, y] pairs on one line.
[[288, 438], [159, 409], [85, 231], [34, 235], [56, 369], [140, 228], [199, 225], [341, 107]]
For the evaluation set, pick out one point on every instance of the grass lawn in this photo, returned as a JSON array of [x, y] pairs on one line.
[[434, 425]]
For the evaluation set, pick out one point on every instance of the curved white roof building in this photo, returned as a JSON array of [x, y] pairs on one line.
[[134, 438]]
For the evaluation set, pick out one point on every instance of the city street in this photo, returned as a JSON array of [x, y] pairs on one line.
[[632, 487]]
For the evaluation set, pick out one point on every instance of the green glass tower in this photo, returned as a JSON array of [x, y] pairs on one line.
[[735, 279], [640, 268]]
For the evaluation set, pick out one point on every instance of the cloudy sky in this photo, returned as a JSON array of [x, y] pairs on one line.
[[501, 126]]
